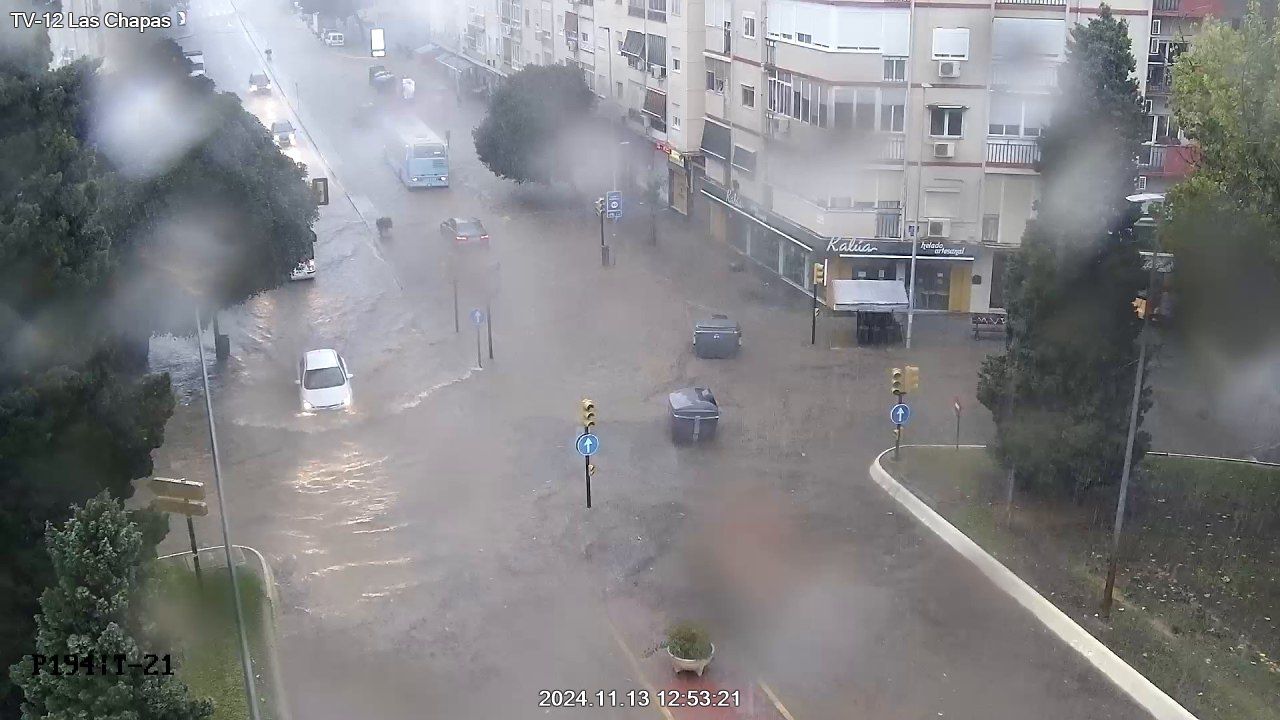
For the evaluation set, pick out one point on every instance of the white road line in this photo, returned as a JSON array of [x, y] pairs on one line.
[[1132, 682]]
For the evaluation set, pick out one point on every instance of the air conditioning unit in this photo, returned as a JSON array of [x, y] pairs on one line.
[[949, 68], [506, 31], [780, 124], [657, 72], [937, 227], [543, 34], [944, 149], [573, 45]]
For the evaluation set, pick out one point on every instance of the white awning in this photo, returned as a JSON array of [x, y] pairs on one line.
[[868, 295]]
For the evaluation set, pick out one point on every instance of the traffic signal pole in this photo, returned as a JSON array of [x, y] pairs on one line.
[[604, 250], [586, 470]]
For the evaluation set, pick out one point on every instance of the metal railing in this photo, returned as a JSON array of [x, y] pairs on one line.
[[1166, 5], [1013, 152], [1152, 156], [892, 148], [1058, 3]]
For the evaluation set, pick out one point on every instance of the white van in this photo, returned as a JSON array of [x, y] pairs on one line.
[[334, 39]]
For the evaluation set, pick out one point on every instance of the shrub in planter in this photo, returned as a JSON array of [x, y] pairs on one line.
[[686, 641]]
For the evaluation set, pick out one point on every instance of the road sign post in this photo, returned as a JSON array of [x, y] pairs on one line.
[[488, 325], [957, 407], [899, 414], [457, 326], [477, 319], [819, 278], [187, 498], [587, 445]]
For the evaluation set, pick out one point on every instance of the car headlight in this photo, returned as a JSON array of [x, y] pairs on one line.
[[306, 405]]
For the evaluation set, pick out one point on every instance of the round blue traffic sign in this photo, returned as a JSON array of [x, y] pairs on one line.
[[899, 414], [588, 445], [477, 317]]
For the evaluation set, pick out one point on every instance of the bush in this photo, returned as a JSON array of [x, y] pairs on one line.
[[688, 642]]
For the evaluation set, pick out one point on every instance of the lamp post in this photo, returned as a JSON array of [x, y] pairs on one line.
[[915, 229], [1146, 226]]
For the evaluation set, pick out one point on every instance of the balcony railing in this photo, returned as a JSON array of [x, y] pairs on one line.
[[892, 148], [1013, 152], [1152, 156], [1166, 5], [1058, 3]]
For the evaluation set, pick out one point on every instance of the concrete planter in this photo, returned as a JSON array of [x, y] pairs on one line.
[[696, 666]]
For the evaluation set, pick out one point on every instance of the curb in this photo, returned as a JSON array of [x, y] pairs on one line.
[[1121, 674], [272, 602]]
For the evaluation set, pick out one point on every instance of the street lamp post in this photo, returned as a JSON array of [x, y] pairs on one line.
[[915, 230], [1147, 225]]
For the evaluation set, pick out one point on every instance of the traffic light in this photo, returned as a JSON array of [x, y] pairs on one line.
[[819, 274], [1140, 307], [591, 469], [897, 382], [912, 379], [599, 206], [588, 414]]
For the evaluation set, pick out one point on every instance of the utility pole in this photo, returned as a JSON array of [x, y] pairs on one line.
[[250, 688], [1146, 310], [915, 230]]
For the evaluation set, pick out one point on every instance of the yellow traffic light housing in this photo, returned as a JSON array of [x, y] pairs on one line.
[[912, 379], [1140, 307], [588, 414], [819, 274], [897, 383]]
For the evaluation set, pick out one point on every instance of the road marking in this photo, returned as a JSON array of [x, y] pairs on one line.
[[635, 668], [1112, 667], [777, 704]]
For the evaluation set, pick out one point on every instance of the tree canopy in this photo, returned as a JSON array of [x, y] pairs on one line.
[[529, 116], [1060, 394], [97, 557], [1224, 220]]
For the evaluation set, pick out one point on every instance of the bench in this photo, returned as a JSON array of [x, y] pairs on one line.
[[990, 323]]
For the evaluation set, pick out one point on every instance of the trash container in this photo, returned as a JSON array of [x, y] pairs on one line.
[[717, 337], [694, 414]]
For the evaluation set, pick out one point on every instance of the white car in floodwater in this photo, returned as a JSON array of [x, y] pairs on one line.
[[324, 383]]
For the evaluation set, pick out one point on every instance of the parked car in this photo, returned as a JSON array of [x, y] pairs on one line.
[[259, 83], [464, 231], [324, 383], [381, 78], [282, 132], [335, 39]]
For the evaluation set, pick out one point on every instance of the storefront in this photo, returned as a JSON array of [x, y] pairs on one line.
[[679, 180], [763, 237], [944, 271]]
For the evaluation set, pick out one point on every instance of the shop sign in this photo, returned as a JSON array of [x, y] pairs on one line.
[[856, 246]]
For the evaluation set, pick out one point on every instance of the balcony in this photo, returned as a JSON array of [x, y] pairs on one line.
[[1051, 3], [1013, 152], [1024, 76], [892, 149], [888, 223], [825, 221], [1152, 156]]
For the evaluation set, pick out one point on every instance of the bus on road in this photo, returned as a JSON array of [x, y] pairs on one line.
[[419, 157]]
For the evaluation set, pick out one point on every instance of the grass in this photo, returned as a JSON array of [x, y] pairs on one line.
[[1198, 589], [200, 624]]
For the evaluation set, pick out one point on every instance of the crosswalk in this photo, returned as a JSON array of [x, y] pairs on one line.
[[212, 12]]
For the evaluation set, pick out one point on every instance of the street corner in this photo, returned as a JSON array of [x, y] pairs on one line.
[[726, 690]]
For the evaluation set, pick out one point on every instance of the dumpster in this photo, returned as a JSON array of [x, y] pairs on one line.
[[694, 414], [718, 337]]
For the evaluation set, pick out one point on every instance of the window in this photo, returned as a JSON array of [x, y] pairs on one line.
[[675, 116], [946, 121], [991, 235], [748, 25], [893, 118], [798, 97], [748, 96], [744, 159], [1153, 47], [999, 261], [804, 38], [619, 89], [585, 38], [895, 69], [677, 7], [717, 71], [1155, 26], [1142, 182], [951, 43], [675, 59]]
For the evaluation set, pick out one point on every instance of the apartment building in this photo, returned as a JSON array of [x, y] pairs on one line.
[[841, 132]]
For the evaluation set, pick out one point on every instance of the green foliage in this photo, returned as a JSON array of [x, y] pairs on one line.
[[530, 114], [1225, 219], [688, 642], [1061, 393], [97, 560]]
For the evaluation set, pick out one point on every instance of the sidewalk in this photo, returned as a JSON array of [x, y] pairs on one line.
[[638, 630]]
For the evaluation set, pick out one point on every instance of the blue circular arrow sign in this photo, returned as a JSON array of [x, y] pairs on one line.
[[588, 445], [899, 414], [477, 317]]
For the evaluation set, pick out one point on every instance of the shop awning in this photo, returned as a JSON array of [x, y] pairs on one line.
[[633, 44], [655, 103], [868, 295], [715, 140]]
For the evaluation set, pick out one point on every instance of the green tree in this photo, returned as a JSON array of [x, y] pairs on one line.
[[1224, 221], [530, 117], [1060, 394], [97, 557]]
